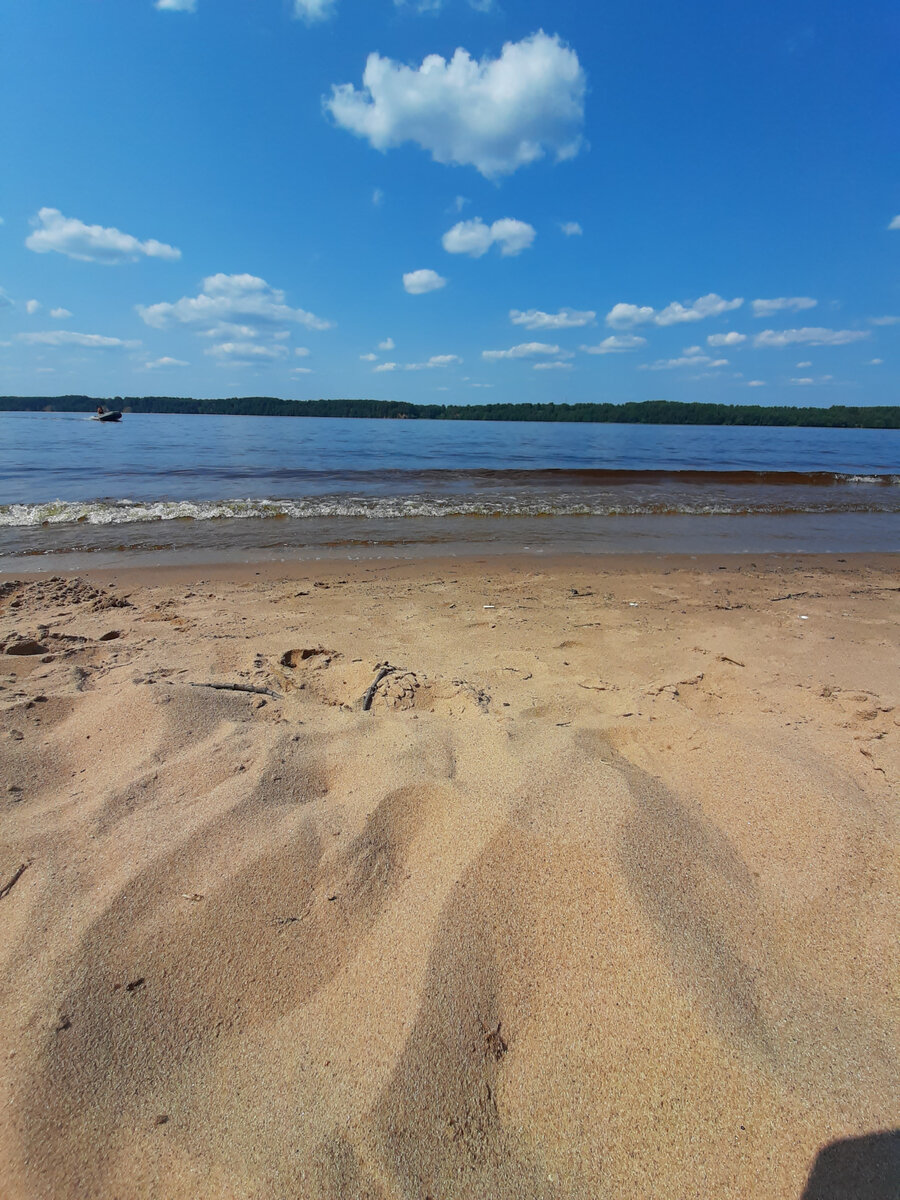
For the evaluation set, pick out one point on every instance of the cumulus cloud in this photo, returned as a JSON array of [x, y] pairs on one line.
[[166, 361], [566, 318], [895, 224], [756, 383], [91, 243], [801, 382], [571, 229], [884, 320], [809, 336], [312, 11], [368, 358], [229, 302], [617, 344], [686, 360], [66, 337], [59, 314], [625, 316], [247, 351], [385, 366], [802, 365], [387, 344], [176, 5], [525, 350], [768, 308], [726, 339], [443, 360], [496, 115], [32, 306], [875, 362], [475, 238], [419, 282], [552, 366]]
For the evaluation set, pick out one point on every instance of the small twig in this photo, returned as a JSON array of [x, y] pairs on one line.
[[734, 662], [369, 696], [239, 687], [14, 879]]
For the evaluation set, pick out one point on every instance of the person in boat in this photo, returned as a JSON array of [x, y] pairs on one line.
[[100, 410]]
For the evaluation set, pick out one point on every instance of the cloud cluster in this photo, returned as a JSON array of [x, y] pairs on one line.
[[475, 238], [626, 316], [566, 318], [417, 283], [165, 361], [809, 336], [91, 243], [312, 11], [496, 115], [177, 6], [617, 344], [768, 308], [726, 339], [690, 358], [228, 303], [436, 360], [525, 350], [66, 337]]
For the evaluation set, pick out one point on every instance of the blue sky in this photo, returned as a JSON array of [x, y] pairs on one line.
[[451, 200]]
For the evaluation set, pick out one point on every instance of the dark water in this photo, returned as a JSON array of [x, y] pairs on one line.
[[278, 487]]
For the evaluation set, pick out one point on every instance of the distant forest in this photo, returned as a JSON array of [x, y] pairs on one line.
[[649, 412]]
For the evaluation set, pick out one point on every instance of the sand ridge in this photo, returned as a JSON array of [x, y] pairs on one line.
[[499, 879]]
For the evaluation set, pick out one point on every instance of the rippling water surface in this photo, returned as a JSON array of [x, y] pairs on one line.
[[240, 485]]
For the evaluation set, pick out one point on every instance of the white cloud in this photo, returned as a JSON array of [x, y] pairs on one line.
[[810, 336], [697, 310], [686, 360], [874, 362], [91, 243], [571, 229], [756, 383], [459, 203], [246, 351], [625, 316], [386, 366], [495, 115], [616, 344], [177, 5], [314, 10], [525, 350], [801, 365], [895, 224], [443, 360], [475, 238], [387, 344], [244, 301], [726, 339], [884, 320], [552, 366], [301, 351], [65, 337], [302, 371], [566, 318], [5, 301], [32, 306], [166, 362], [419, 282], [59, 314], [692, 350], [768, 308], [369, 357], [801, 382], [377, 197]]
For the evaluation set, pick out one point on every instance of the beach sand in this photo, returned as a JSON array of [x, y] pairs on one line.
[[598, 898]]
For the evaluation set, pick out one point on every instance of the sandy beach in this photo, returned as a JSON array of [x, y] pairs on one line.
[[502, 879]]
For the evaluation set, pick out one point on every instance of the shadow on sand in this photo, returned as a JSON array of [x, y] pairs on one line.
[[864, 1168]]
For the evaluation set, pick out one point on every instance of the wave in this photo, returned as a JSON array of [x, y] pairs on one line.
[[548, 504]]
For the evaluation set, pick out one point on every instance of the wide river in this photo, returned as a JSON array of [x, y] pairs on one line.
[[74, 492]]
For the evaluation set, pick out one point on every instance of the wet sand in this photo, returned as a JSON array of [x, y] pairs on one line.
[[511, 879]]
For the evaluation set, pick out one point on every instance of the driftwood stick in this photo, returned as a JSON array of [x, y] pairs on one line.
[[369, 696], [239, 687], [14, 879]]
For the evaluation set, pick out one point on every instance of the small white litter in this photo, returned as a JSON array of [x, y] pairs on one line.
[[488, 606], [804, 618]]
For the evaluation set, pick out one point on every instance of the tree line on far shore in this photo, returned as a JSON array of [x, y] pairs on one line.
[[648, 412]]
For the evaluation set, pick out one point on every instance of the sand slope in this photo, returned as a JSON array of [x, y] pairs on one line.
[[597, 899]]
